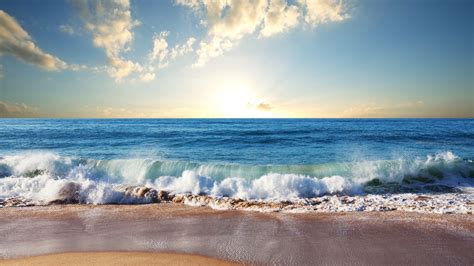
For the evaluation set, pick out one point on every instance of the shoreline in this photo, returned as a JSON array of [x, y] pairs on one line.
[[239, 236], [446, 203]]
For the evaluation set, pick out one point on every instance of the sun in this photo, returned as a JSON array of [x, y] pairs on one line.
[[238, 102]]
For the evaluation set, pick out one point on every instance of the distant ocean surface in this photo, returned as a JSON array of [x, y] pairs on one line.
[[246, 158]]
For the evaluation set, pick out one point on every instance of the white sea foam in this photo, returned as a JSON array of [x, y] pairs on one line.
[[41, 176], [272, 186]]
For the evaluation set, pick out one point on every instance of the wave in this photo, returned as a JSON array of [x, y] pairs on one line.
[[43, 176]]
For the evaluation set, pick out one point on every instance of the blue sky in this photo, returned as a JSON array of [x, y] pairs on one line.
[[247, 58]]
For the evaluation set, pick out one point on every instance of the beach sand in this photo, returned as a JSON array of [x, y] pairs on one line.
[[116, 258], [236, 236]]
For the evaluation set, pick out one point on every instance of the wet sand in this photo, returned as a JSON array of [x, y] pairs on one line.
[[238, 236]]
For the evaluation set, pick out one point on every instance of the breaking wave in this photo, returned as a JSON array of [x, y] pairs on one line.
[[46, 176]]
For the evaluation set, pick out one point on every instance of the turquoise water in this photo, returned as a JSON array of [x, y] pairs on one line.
[[252, 158]]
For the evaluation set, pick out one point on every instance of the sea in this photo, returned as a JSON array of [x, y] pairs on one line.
[[250, 159]]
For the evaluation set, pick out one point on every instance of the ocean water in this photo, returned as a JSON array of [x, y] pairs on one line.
[[275, 159]]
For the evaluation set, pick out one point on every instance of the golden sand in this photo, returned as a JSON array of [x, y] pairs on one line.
[[116, 258]]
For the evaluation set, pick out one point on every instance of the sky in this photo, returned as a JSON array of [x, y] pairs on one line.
[[237, 58]]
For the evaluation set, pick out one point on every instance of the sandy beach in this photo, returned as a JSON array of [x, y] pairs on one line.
[[232, 236], [116, 258]]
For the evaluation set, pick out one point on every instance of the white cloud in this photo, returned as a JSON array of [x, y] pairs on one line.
[[324, 11], [15, 41], [17, 110], [180, 50], [215, 47], [163, 54], [121, 68], [228, 21], [188, 3], [236, 19], [147, 77], [67, 29], [76, 67], [112, 26], [279, 18], [160, 49]]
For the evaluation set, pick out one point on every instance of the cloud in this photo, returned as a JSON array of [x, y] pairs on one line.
[[188, 3], [215, 47], [17, 110], [263, 106], [180, 50], [228, 21], [324, 11], [279, 18], [15, 41], [260, 106], [111, 25], [1, 72], [163, 54], [67, 29], [160, 49], [121, 68], [147, 77], [236, 19]]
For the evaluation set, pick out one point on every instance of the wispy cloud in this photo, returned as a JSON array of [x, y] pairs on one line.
[[67, 29], [111, 25], [189, 3], [15, 41], [147, 77], [216, 46], [112, 28], [160, 49], [180, 50], [161, 54], [17, 110], [228, 21]]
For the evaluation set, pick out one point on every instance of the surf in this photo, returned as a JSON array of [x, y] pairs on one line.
[[41, 175]]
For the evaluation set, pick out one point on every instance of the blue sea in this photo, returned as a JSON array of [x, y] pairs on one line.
[[245, 158]]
